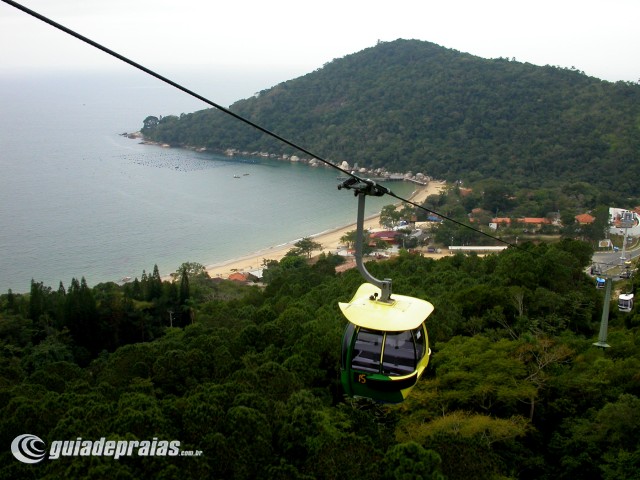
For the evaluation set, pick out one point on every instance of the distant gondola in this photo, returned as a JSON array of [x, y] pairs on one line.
[[625, 302]]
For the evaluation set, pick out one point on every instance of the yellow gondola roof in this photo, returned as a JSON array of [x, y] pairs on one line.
[[402, 313]]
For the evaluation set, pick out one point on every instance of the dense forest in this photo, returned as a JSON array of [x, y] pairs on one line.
[[249, 375], [410, 105]]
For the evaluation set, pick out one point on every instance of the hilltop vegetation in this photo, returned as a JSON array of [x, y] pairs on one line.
[[250, 377], [409, 105]]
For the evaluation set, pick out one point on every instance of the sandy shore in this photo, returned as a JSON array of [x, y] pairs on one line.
[[329, 240]]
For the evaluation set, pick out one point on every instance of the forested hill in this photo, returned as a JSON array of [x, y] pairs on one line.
[[410, 105]]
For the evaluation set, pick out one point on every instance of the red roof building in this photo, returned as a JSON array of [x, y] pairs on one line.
[[585, 219], [534, 221], [388, 236], [243, 277]]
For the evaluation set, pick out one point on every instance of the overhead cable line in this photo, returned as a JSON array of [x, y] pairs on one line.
[[377, 190]]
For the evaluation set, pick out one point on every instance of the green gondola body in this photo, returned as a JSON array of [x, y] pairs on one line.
[[385, 347]]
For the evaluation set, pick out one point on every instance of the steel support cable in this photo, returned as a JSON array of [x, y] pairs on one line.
[[380, 190]]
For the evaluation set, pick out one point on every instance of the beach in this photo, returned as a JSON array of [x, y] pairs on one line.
[[330, 240]]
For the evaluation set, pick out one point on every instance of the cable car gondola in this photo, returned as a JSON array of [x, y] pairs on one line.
[[385, 346], [625, 302]]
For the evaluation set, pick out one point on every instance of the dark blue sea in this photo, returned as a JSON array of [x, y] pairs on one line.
[[78, 199]]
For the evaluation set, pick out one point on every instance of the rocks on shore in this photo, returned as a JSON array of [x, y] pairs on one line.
[[379, 173]]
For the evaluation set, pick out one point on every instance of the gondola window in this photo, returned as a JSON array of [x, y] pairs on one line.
[[399, 354], [367, 351]]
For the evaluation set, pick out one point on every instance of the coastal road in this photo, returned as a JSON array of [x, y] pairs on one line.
[[613, 260]]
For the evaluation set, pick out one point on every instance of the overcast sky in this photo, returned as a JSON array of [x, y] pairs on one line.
[[284, 39]]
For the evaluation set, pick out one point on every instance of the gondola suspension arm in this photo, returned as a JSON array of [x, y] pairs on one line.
[[362, 188]]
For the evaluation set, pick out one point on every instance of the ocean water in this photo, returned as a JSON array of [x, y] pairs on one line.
[[78, 199]]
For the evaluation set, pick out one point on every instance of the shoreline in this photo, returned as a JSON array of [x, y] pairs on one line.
[[329, 239]]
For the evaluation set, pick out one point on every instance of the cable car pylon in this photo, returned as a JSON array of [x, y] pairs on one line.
[[604, 322], [385, 346]]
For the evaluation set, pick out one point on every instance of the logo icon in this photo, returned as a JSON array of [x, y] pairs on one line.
[[28, 448]]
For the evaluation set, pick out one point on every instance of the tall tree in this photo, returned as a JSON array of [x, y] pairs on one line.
[[389, 216], [306, 246], [81, 317], [184, 293], [38, 299], [154, 287]]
